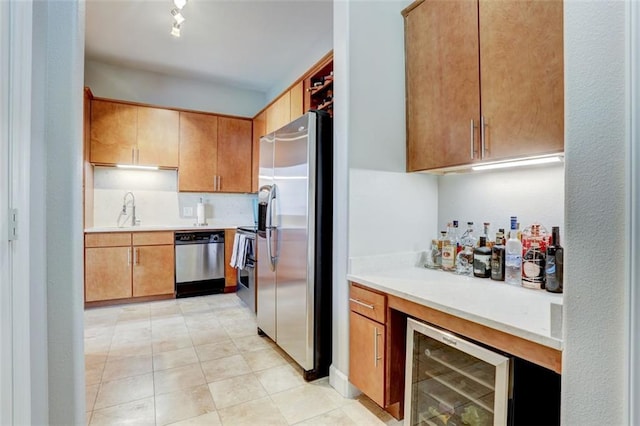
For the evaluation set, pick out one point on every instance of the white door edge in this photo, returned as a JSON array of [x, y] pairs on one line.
[[15, 352], [633, 200]]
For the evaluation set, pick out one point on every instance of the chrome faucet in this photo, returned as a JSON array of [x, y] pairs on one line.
[[134, 221]]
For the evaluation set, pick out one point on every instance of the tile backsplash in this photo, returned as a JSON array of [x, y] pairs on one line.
[[158, 202]]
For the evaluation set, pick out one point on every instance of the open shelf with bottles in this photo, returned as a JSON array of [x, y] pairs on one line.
[[318, 87]]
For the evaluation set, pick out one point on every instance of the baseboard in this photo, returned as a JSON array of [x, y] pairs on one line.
[[340, 382]]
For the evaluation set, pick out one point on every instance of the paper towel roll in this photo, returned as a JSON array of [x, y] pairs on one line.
[[200, 213]]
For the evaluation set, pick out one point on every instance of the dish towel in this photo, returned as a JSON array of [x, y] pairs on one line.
[[239, 252]]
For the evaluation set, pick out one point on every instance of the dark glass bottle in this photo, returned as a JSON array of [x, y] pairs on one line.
[[555, 263], [497, 257], [533, 265], [482, 260]]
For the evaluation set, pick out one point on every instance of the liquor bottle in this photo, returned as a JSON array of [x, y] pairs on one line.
[[482, 259], [533, 265], [554, 264], [486, 234], [464, 263], [497, 257], [468, 239], [448, 251], [434, 256], [448, 256], [535, 233], [513, 256], [457, 237]]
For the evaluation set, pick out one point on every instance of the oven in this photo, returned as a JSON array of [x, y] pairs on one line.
[[246, 281]]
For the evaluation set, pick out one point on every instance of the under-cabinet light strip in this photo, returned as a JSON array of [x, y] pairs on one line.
[[518, 163], [135, 167]]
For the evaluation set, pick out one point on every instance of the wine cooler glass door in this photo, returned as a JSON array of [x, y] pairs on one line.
[[451, 381]]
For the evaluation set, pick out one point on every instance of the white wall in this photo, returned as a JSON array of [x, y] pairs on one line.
[[304, 61], [369, 119], [594, 380], [532, 194], [64, 23], [117, 82], [158, 202], [37, 201]]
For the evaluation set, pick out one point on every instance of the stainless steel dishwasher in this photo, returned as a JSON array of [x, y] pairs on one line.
[[199, 263]]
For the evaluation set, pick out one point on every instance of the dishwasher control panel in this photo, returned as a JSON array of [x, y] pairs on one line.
[[199, 237]]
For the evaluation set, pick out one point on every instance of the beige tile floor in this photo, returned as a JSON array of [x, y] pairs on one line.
[[199, 361]]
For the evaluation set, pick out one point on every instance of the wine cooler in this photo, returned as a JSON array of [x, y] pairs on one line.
[[451, 381], [455, 382]]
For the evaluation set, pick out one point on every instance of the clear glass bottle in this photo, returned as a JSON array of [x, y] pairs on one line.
[[456, 235], [448, 251], [554, 263], [434, 256], [497, 257], [482, 259], [468, 238], [534, 248], [464, 263], [513, 256]]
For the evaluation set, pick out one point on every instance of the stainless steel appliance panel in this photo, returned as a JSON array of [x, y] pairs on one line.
[[199, 262], [293, 321], [294, 153], [246, 280], [266, 294]]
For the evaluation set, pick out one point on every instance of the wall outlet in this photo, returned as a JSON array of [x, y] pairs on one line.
[[187, 211]]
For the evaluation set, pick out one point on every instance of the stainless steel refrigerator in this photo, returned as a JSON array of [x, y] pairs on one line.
[[294, 240]]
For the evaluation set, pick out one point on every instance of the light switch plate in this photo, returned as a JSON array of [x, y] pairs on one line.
[[187, 211]]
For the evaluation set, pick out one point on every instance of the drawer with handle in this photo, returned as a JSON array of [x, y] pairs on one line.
[[368, 303]]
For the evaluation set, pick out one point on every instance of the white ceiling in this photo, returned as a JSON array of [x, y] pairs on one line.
[[249, 44]]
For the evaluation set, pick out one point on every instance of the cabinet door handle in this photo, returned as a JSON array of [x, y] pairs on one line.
[[356, 301], [137, 155], [219, 183], [132, 156], [376, 358], [482, 139], [136, 256], [472, 137], [129, 256]]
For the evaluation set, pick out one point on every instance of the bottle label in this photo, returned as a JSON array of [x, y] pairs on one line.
[[513, 260], [448, 257], [550, 272], [481, 264]]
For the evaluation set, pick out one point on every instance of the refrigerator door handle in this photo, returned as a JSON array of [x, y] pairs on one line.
[[273, 260]]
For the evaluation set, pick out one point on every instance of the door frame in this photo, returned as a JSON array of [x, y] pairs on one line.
[[15, 143], [633, 200]]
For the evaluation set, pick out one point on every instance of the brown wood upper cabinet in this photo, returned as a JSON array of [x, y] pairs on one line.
[[484, 81], [215, 153], [123, 133]]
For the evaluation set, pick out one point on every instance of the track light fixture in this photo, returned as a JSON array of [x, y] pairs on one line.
[[178, 17], [179, 3]]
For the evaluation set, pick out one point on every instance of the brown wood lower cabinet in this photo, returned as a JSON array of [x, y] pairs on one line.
[[107, 273], [123, 265], [153, 270], [366, 361], [367, 342]]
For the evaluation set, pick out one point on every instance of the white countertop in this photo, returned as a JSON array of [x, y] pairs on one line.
[[514, 310], [211, 225]]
